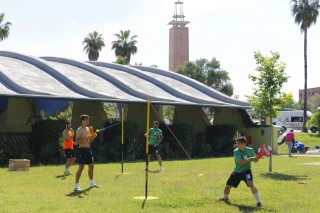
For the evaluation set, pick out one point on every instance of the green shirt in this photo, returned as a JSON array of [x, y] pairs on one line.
[[155, 133], [243, 154]]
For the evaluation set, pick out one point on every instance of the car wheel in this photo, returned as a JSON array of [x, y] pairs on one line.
[[314, 129], [284, 128]]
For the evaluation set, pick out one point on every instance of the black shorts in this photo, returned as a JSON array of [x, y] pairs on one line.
[[69, 153], [85, 156], [153, 149], [235, 178]]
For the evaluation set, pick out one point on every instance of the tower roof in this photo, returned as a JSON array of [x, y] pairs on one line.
[[178, 17]]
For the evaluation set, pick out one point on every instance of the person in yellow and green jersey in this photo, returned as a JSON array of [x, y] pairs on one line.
[[67, 136], [243, 156], [155, 137]]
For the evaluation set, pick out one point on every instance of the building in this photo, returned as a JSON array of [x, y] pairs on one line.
[[310, 92], [178, 38]]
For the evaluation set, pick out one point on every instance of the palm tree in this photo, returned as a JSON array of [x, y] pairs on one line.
[[124, 45], [93, 45], [4, 28], [305, 14]]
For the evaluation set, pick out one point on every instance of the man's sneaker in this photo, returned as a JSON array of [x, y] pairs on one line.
[[224, 199], [145, 169], [94, 186], [259, 204], [77, 189], [66, 173], [161, 169]]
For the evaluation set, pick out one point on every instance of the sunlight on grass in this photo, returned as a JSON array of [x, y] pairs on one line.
[[184, 186]]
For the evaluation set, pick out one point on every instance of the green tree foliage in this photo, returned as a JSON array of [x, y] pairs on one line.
[[120, 60], [4, 28], [221, 139], [168, 112], [65, 114], [315, 120], [93, 45], [269, 81], [125, 45], [208, 73], [288, 101], [305, 14], [314, 103], [46, 141]]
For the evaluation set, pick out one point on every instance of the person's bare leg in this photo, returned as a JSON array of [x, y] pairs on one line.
[[254, 191], [159, 159], [90, 171], [71, 162], [78, 174]]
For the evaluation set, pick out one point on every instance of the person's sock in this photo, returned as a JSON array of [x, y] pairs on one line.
[[76, 185], [256, 196], [91, 183]]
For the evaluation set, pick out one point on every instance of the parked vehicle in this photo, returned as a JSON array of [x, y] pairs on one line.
[[293, 119]]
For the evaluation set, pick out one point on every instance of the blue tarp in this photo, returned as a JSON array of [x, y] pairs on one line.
[[50, 107], [3, 104]]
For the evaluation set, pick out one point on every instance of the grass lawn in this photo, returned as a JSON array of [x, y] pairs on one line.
[[180, 188], [308, 139]]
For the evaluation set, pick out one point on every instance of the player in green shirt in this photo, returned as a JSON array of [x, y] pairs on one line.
[[243, 156], [155, 138]]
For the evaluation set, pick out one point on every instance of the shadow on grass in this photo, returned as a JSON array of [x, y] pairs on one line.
[[155, 171], [79, 194], [143, 203], [62, 177], [278, 176], [245, 208], [314, 136]]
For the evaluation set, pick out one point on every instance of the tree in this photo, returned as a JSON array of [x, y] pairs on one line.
[[93, 45], [269, 81], [315, 120], [208, 73], [305, 14], [125, 45], [266, 97], [4, 28], [120, 60], [288, 101], [314, 103]]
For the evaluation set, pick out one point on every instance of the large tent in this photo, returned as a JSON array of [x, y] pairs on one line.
[[50, 81], [61, 78]]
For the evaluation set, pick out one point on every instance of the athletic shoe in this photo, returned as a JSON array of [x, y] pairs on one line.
[[259, 204], [145, 169], [66, 173], [161, 169], [224, 199], [94, 186], [78, 189]]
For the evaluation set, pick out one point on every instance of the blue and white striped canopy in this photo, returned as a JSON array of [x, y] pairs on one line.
[[66, 79]]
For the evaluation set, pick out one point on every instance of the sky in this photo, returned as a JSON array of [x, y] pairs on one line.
[[231, 31]]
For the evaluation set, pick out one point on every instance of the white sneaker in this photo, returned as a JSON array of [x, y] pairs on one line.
[[66, 172], [161, 168], [94, 186], [77, 189]]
